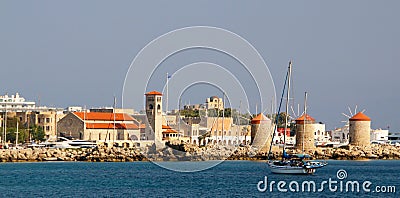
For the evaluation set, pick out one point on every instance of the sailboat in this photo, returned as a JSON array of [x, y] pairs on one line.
[[291, 164]]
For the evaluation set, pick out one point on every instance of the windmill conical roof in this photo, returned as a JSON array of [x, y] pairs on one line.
[[305, 117], [259, 118], [360, 117]]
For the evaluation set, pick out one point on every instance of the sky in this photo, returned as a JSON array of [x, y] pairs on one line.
[[344, 53]]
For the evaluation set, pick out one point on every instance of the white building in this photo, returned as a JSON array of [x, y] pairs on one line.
[[74, 109], [320, 134], [15, 103], [214, 103], [379, 135], [341, 134]]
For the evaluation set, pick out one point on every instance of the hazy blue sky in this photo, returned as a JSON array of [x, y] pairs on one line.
[[78, 52]]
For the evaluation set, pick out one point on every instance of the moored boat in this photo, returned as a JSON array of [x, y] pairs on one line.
[[292, 164]]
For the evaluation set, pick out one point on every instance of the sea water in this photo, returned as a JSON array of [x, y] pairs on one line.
[[228, 179]]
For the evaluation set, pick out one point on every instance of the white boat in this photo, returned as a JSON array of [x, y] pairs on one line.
[[83, 143], [293, 164], [60, 142], [280, 168], [63, 142], [394, 139]]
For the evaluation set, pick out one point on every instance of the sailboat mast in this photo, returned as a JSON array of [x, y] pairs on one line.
[[115, 104], [223, 116], [166, 93], [304, 119], [179, 118], [5, 126], [278, 115], [287, 105], [238, 122]]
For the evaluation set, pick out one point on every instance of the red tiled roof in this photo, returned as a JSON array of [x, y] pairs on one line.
[[360, 117], [104, 116], [259, 118], [127, 125], [110, 126], [142, 126], [170, 131], [307, 118], [153, 93], [166, 127]]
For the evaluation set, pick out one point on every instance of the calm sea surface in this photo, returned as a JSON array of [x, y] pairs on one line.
[[145, 179]]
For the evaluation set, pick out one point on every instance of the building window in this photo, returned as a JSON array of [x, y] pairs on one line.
[[47, 128], [151, 106], [47, 120]]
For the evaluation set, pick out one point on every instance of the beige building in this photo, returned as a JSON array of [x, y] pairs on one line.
[[47, 120], [214, 103], [154, 116], [99, 126]]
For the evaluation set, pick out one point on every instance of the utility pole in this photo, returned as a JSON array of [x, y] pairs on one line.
[[16, 136], [166, 93], [5, 126]]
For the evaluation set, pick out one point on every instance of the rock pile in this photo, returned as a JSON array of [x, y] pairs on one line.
[[100, 154], [191, 152]]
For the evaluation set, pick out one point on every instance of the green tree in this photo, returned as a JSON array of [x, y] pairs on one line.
[[281, 119], [189, 113], [12, 129], [37, 133]]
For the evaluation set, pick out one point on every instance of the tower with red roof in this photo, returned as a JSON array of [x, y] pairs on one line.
[[261, 131], [359, 130], [305, 133], [154, 113]]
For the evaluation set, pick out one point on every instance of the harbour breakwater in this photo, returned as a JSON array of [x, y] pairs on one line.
[[191, 153]]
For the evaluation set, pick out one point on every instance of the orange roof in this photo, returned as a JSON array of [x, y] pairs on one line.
[[153, 93], [142, 126], [360, 117], [260, 117], [127, 125], [110, 126], [170, 131], [166, 127], [104, 116], [307, 118], [99, 125]]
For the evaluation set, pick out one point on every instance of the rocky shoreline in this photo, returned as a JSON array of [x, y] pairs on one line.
[[192, 153]]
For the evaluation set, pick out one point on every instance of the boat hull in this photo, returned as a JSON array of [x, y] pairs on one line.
[[291, 170]]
